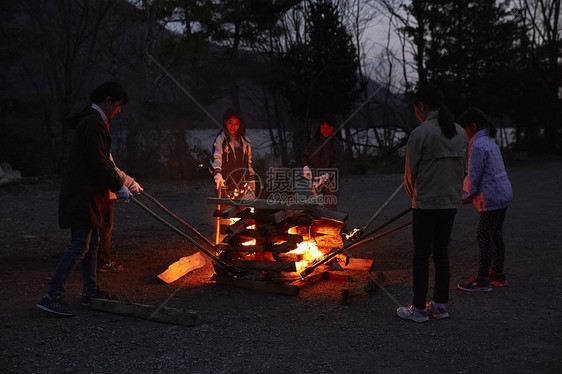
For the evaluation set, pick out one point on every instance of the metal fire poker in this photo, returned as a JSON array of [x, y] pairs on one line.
[[227, 267], [357, 242]]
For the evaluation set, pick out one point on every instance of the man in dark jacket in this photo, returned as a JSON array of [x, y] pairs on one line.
[[84, 196]]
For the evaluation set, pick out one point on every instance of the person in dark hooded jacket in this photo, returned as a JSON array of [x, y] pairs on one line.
[[323, 159], [84, 196]]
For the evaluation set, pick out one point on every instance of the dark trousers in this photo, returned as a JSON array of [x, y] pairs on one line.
[[431, 232], [104, 252], [490, 241]]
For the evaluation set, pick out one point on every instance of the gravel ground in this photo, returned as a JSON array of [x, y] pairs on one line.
[[516, 329]]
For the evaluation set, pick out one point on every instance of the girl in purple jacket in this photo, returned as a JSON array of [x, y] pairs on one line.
[[487, 185]]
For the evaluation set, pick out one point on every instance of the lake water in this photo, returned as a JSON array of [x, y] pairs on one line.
[[261, 142]]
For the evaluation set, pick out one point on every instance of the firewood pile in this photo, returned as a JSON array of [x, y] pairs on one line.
[[273, 244]]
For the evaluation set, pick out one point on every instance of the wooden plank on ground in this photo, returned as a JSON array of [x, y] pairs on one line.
[[266, 287], [356, 264], [340, 276], [149, 312], [181, 267], [363, 290]]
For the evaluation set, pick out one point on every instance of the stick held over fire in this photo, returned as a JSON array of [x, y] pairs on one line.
[[223, 264], [191, 228]]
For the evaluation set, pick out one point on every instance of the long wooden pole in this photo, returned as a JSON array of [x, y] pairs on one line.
[[229, 268], [398, 189], [191, 228]]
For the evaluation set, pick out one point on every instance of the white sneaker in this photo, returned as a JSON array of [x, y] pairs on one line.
[[438, 311], [413, 313]]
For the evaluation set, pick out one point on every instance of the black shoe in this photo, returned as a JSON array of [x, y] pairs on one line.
[[476, 283], [98, 294], [55, 305]]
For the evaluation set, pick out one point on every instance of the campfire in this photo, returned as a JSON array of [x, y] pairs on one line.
[[267, 247], [275, 242]]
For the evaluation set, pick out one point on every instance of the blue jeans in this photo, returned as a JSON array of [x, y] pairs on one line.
[[83, 246]]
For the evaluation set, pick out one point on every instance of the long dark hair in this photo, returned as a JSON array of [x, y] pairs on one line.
[[231, 112], [475, 115], [432, 97]]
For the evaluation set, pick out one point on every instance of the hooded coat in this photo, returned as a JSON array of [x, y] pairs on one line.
[[89, 174]]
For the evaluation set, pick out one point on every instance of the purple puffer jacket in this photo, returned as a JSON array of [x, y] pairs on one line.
[[487, 182]]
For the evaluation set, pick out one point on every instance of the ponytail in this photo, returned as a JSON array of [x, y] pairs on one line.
[[475, 115], [432, 97]]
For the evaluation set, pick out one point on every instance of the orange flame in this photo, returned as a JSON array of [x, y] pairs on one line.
[[311, 254]]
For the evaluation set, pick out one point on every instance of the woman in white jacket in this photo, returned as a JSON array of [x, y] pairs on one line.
[[231, 158]]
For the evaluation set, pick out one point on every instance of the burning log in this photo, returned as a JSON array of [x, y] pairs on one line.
[[287, 246], [363, 290], [149, 312], [181, 267], [288, 257], [239, 226], [265, 247], [238, 239]]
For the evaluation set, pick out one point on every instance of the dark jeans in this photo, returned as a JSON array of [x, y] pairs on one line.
[[83, 246], [431, 232], [104, 253], [490, 241]]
